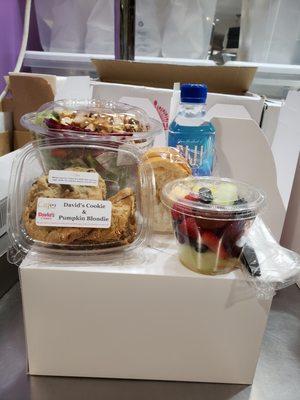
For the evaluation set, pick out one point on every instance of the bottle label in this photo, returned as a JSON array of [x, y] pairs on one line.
[[194, 155]]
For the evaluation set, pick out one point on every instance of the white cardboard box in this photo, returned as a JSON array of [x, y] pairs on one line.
[[155, 98], [156, 320], [286, 144], [270, 118]]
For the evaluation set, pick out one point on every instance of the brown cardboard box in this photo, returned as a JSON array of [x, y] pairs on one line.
[[7, 104], [21, 138], [5, 126], [29, 93], [4, 143], [219, 79]]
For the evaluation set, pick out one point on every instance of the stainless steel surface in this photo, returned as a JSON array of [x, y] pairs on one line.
[[8, 272], [277, 375], [124, 29]]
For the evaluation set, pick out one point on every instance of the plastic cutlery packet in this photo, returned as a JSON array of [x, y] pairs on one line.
[[268, 267]]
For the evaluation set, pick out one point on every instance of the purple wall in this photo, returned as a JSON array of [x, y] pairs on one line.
[[34, 42], [11, 32]]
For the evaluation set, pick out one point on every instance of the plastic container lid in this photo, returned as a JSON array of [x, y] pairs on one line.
[[213, 198], [193, 93], [92, 119], [79, 198]]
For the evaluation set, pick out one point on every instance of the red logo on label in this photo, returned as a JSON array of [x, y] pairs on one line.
[[46, 215], [163, 114]]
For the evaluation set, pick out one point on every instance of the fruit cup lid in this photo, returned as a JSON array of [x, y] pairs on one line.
[[213, 198]]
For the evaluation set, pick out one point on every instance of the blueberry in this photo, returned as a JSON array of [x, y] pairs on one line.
[[205, 195], [175, 223], [180, 237]]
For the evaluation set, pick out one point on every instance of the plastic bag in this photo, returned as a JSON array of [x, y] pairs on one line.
[[100, 28], [69, 24], [163, 27], [188, 28], [149, 23], [266, 34], [267, 265]]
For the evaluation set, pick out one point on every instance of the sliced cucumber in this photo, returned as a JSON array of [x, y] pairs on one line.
[[226, 194]]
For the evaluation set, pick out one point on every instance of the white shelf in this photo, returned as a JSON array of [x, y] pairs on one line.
[[274, 80], [82, 61]]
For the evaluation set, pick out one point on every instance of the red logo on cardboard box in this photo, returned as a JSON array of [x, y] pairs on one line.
[[163, 114]]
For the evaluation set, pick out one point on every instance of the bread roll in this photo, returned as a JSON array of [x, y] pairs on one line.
[[168, 165]]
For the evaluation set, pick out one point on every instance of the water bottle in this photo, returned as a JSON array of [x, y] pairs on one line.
[[190, 133]]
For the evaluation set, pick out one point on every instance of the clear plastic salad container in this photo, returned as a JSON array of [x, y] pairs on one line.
[[72, 206], [210, 219], [93, 119]]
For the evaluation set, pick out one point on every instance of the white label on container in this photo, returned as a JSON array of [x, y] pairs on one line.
[[79, 178], [73, 213]]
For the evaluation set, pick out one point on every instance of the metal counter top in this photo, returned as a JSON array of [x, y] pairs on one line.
[[277, 376]]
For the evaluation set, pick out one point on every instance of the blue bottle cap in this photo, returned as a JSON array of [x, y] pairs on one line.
[[193, 93]]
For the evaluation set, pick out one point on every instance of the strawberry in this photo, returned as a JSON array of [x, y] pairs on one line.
[[178, 211], [235, 230], [59, 153], [210, 224], [191, 228], [214, 244], [176, 215], [192, 197], [232, 234]]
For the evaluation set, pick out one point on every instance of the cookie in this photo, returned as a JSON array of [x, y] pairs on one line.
[[52, 235], [42, 188], [85, 192], [123, 224]]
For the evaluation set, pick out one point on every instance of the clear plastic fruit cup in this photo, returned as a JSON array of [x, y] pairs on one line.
[[211, 217]]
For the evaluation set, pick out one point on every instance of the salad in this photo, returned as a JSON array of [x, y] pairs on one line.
[[99, 123], [74, 119]]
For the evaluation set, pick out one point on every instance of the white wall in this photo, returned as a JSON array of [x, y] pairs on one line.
[[291, 231]]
